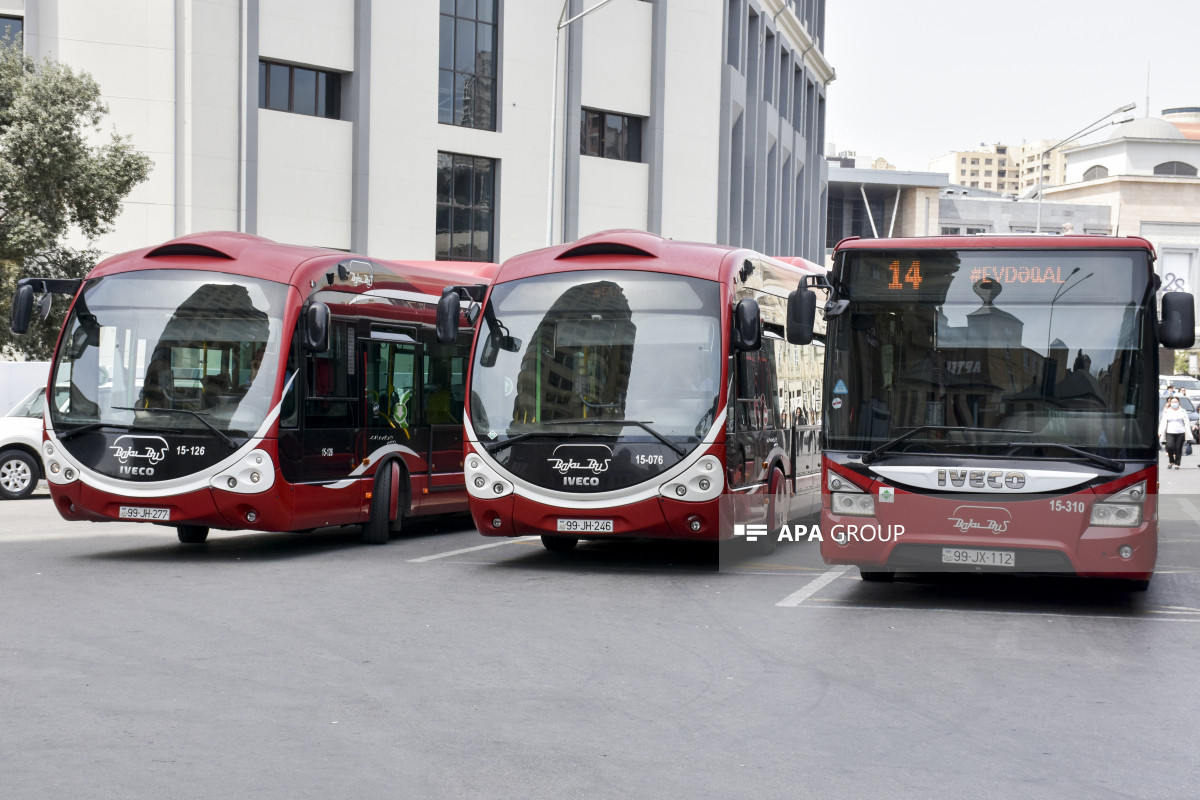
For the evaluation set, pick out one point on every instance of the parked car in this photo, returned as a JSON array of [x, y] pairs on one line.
[[20, 444], [1185, 384]]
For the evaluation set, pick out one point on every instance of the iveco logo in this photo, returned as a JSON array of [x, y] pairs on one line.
[[987, 480]]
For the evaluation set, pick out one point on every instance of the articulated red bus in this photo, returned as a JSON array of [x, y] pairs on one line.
[[225, 381], [991, 405], [626, 385]]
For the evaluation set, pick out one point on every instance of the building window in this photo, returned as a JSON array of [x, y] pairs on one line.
[[963, 160], [974, 173], [466, 192], [610, 136], [975, 162], [11, 29], [987, 173], [1001, 150], [467, 62], [949, 231], [987, 184], [1175, 168], [975, 231], [299, 90], [962, 172], [1096, 173], [987, 161]]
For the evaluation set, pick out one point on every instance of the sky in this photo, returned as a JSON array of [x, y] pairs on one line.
[[909, 89]]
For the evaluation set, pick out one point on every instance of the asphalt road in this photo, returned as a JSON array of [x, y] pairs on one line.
[[449, 665]]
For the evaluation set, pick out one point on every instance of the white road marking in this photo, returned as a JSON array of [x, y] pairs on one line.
[[841, 605], [473, 549], [1190, 508], [812, 587]]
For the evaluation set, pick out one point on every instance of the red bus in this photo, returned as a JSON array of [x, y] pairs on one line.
[[626, 385], [992, 406], [226, 381]]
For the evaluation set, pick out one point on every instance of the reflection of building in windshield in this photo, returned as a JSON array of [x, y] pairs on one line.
[[578, 361], [206, 350]]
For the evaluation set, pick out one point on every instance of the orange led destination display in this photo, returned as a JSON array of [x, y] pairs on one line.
[[1009, 274]]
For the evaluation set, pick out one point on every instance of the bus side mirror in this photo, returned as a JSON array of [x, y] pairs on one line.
[[316, 328], [747, 325], [1178, 327], [801, 316], [447, 316], [22, 310]]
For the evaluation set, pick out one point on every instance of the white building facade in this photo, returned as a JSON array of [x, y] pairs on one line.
[[421, 129]]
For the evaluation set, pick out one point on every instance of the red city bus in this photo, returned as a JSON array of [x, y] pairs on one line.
[[992, 406], [225, 381], [625, 385]]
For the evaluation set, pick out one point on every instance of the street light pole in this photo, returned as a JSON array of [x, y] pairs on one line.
[[1083, 132], [563, 22]]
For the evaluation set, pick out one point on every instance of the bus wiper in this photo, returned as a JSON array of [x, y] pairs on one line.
[[230, 442], [496, 447], [878, 452], [91, 426], [643, 425], [1095, 458]]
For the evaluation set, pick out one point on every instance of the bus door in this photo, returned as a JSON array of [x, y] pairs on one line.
[[748, 423], [392, 396], [444, 370], [329, 416]]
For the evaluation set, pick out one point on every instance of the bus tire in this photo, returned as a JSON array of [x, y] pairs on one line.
[[777, 512], [19, 474], [191, 534], [379, 525], [560, 544], [881, 576]]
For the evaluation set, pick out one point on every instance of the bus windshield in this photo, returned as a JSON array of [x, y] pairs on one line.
[[1043, 347], [170, 349], [630, 355]]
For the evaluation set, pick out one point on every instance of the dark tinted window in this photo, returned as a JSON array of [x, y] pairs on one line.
[[315, 93], [467, 64], [465, 198], [611, 136]]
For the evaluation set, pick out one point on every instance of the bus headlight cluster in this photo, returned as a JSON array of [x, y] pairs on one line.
[[253, 473], [700, 482], [1122, 510], [59, 469], [483, 481], [1116, 515], [854, 505]]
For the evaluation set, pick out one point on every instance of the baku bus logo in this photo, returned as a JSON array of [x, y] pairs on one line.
[[595, 459], [980, 518], [151, 448]]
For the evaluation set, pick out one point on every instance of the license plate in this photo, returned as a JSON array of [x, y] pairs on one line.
[[585, 526], [145, 513], [978, 558]]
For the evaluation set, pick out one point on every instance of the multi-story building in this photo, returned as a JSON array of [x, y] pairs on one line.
[[1037, 167], [992, 167], [461, 129]]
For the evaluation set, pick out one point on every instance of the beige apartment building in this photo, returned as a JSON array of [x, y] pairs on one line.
[[1032, 167], [991, 167]]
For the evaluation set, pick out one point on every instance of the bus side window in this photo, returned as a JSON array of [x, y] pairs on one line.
[[328, 376]]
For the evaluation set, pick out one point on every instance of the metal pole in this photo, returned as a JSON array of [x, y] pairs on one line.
[[562, 23]]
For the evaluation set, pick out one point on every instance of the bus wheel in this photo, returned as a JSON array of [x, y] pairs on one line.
[[191, 534], [884, 576], [379, 525], [559, 544], [18, 475]]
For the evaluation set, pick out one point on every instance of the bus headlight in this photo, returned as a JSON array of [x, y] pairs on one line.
[[483, 481], [854, 505], [1117, 515], [700, 482], [1122, 510], [253, 473]]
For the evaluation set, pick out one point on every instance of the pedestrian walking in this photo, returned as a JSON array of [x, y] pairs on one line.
[[1175, 429]]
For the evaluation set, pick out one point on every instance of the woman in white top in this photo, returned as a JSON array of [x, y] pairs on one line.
[[1175, 428]]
